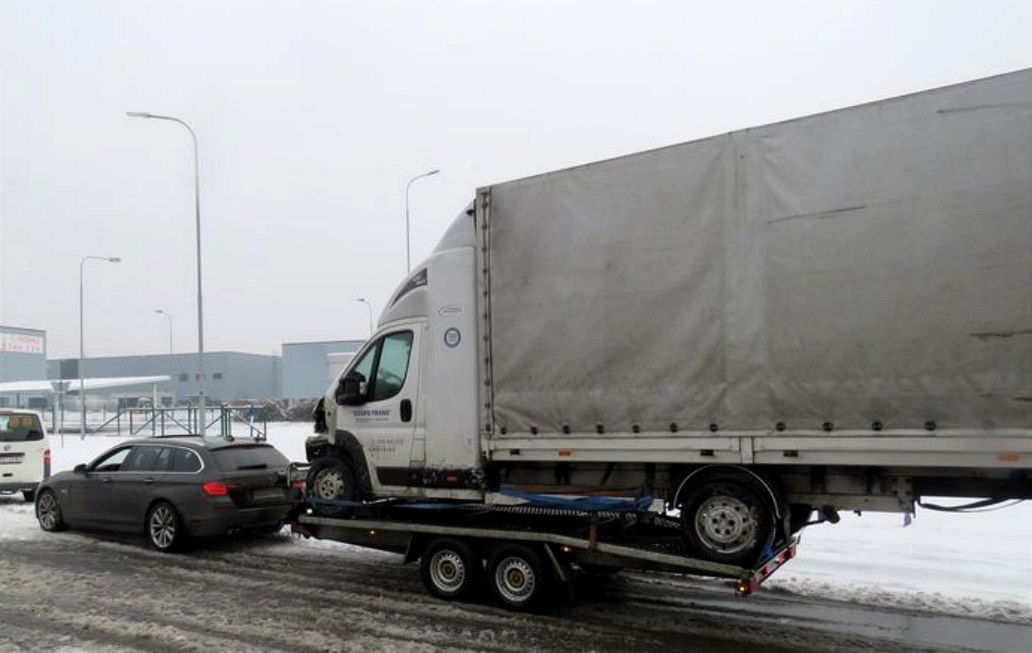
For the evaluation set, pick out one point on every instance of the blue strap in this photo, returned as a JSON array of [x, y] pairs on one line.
[[583, 504]]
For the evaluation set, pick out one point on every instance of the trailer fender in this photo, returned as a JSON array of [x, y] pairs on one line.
[[767, 487]]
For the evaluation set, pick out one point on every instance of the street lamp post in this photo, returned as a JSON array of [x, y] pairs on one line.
[[408, 240], [171, 365], [197, 215], [363, 300], [82, 340]]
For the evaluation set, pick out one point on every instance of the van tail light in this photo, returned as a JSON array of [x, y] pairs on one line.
[[46, 464], [215, 489]]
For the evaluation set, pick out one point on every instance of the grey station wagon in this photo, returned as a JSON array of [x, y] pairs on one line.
[[170, 489]]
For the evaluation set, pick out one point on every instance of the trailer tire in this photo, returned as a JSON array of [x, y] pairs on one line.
[[331, 478], [726, 520], [518, 577], [451, 570]]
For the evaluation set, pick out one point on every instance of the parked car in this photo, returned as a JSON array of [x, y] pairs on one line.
[[171, 489], [24, 452]]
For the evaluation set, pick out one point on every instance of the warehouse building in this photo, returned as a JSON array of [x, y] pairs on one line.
[[23, 357], [308, 367], [230, 375]]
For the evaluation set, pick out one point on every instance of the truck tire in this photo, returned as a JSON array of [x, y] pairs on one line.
[[726, 520], [451, 570], [331, 479], [518, 578]]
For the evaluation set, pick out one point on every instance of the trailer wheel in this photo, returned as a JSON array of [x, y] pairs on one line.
[[726, 521], [331, 479], [517, 577], [450, 569]]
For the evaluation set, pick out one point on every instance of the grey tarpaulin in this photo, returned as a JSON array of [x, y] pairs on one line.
[[869, 264]]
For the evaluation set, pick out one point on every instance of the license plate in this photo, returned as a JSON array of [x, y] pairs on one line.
[[11, 459]]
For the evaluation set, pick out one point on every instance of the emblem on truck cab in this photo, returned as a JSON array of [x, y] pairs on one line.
[[452, 337]]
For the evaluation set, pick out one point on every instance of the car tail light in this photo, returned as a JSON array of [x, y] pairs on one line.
[[298, 485], [215, 489], [46, 464]]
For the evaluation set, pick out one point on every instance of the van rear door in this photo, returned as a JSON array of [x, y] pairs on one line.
[[24, 456]]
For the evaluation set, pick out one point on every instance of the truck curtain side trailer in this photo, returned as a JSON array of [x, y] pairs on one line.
[[829, 313]]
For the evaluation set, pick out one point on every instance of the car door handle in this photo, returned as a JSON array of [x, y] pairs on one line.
[[148, 480], [105, 479], [406, 410]]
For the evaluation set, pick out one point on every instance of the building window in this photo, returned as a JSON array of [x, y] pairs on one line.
[[184, 376], [216, 375], [197, 377]]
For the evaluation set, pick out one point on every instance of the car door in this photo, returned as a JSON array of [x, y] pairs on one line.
[[384, 423], [124, 499], [82, 495]]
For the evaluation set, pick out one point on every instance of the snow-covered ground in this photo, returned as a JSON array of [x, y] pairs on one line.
[[967, 564]]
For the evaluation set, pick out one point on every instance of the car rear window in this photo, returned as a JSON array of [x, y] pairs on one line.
[[232, 459], [20, 428]]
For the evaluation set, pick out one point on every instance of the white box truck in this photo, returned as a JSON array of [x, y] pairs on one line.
[[827, 313]]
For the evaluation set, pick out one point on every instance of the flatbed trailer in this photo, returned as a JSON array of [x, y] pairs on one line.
[[523, 555]]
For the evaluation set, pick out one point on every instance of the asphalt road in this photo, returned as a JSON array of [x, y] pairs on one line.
[[81, 591]]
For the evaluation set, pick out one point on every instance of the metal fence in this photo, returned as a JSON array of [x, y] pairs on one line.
[[186, 420]]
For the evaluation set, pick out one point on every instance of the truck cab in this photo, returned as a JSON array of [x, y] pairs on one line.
[[402, 415]]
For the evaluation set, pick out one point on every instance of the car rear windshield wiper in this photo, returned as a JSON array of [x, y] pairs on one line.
[[257, 466]]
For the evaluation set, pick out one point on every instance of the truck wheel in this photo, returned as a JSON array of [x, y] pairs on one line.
[[48, 511], [331, 479], [517, 577], [726, 521], [450, 569]]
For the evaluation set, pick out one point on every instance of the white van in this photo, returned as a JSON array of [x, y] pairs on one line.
[[24, 452]]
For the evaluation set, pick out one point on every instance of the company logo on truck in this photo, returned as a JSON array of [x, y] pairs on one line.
[[452, 337], [372, 415]]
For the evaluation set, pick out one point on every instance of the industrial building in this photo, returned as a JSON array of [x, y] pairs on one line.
[[230, 375], [23, 357], [308, 367]]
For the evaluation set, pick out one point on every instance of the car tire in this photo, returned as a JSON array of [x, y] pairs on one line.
[[164, 528], [30, 495], [48, 511], [331, 479], [518, 578], [451, 570]]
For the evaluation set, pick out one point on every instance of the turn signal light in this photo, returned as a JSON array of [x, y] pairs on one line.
[[215, 489]]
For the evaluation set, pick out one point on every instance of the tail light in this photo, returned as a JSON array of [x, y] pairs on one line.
[[215, 489], [298, 485], [46, 464]]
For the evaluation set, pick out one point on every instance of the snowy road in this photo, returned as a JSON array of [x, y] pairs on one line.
[[90, 592]]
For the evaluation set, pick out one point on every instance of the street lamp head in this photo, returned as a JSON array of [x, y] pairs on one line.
[[362, 300], [138, 114], [432, 172], [158, 310], [114, 259]]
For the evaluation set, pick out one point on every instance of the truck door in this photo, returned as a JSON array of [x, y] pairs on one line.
[[385, 422]]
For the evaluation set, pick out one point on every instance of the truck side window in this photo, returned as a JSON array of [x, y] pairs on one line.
[[365, 365], [393, 365]]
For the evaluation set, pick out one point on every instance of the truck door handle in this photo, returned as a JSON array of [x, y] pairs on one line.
[[406, 410]]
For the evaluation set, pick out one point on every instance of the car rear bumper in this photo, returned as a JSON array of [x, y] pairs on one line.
[[225, 520]]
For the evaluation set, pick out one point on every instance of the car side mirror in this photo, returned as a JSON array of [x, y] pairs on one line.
[[352, 390], [80, 468]]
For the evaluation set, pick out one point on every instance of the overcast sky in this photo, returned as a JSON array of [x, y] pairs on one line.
[[312, 115]]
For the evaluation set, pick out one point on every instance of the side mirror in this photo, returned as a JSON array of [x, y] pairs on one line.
[[352, 390], [80, 468]]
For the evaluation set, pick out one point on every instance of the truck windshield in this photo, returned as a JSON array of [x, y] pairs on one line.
[[233, 459], [20, 428]]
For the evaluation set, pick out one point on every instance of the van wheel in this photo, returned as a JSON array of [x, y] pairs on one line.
[[48, 511], [331, 479], [164, 527], [726, 521], [29, 495], [517, 577], [450, 569]]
